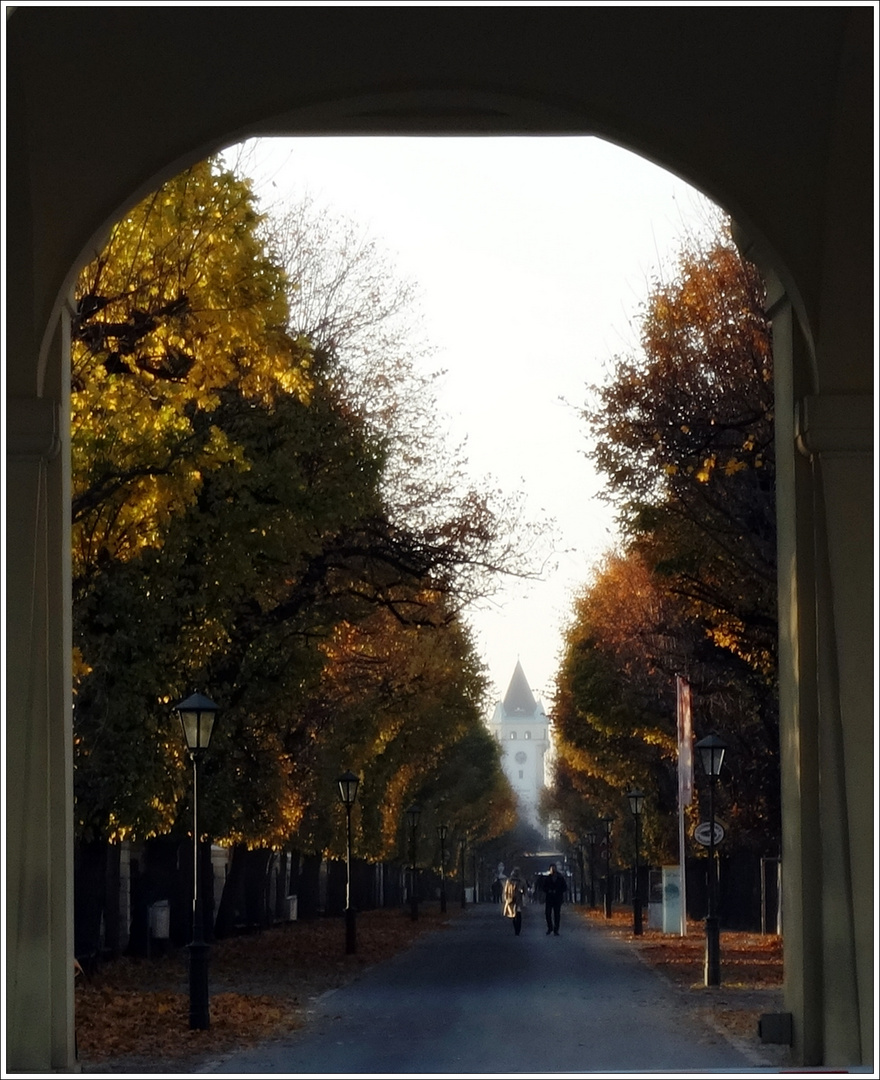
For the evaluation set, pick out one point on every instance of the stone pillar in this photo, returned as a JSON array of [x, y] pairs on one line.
[[798, 723], [826, 679], [835, 435], [39, 767]]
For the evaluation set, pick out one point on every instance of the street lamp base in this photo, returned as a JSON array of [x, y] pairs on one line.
[[199, 1008]]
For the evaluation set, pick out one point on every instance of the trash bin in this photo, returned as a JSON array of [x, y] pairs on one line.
[[160, 920]]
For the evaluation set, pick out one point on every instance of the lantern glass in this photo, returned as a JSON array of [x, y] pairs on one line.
[[197, 714], [591, 837], [348, 788], [711, 750], [412, 815], [442, 831], [636, 801]]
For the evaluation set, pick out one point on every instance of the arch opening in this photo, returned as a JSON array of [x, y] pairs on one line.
[[773, 105]]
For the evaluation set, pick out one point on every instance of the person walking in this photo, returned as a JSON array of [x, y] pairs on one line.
[[554, 890], [514, 893]]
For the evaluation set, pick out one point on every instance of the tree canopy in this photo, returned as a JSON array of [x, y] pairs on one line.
[[242, 525], [683, 430]]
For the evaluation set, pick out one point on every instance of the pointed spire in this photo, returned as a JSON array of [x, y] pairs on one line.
[[519, 700]]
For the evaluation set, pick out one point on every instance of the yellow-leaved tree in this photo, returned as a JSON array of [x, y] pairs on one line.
[[181, 306]]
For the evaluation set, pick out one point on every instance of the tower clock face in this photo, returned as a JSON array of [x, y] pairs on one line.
[[520, 757]]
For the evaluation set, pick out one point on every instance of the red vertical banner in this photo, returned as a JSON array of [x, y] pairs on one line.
[[685, 784], [685, 742]]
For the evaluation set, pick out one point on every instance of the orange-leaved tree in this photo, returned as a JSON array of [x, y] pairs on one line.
[[683, 429]]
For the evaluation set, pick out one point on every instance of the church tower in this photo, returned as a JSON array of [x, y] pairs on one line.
[[522, 729]]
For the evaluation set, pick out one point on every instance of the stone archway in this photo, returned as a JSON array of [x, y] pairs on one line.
[[768, 110]]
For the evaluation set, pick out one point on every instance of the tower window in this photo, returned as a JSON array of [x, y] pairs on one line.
[[513, 734], [520, 774], [527, 735]]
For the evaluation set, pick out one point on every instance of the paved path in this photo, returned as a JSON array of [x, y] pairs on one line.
[[474, 998]]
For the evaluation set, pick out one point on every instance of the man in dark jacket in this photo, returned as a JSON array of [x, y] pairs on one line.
[[554, 889]]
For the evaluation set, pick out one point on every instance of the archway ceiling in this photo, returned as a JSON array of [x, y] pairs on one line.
[[108, 102]]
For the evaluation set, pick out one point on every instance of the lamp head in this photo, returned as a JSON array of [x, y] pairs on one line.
[[197, 714], [348, 789], [711, 750]]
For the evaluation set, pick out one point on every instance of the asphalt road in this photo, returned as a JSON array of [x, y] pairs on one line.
[[475, 999]]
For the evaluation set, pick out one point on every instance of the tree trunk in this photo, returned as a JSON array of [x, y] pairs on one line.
[[232, 900], [309, 893], [206, 888], [139, 927], [256, 906], [89, 876], [112, 914], [335, 904], [282, 885]]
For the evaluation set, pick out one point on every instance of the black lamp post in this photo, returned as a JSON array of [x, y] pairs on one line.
[[197, 714], [412, 816], [591, 840], [462, 844], [348, 788], [607, 822], [442, 830], [711, 750], [636, 802]]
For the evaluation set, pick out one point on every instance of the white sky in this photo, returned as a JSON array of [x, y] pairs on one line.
[[532, 256]]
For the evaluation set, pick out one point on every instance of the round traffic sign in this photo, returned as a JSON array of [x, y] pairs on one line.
[[703, 835]]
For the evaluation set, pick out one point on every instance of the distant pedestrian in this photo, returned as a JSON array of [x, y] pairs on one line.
[[554, 889], [514, 893]]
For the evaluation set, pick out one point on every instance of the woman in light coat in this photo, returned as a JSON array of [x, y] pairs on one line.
[[514, 896]]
